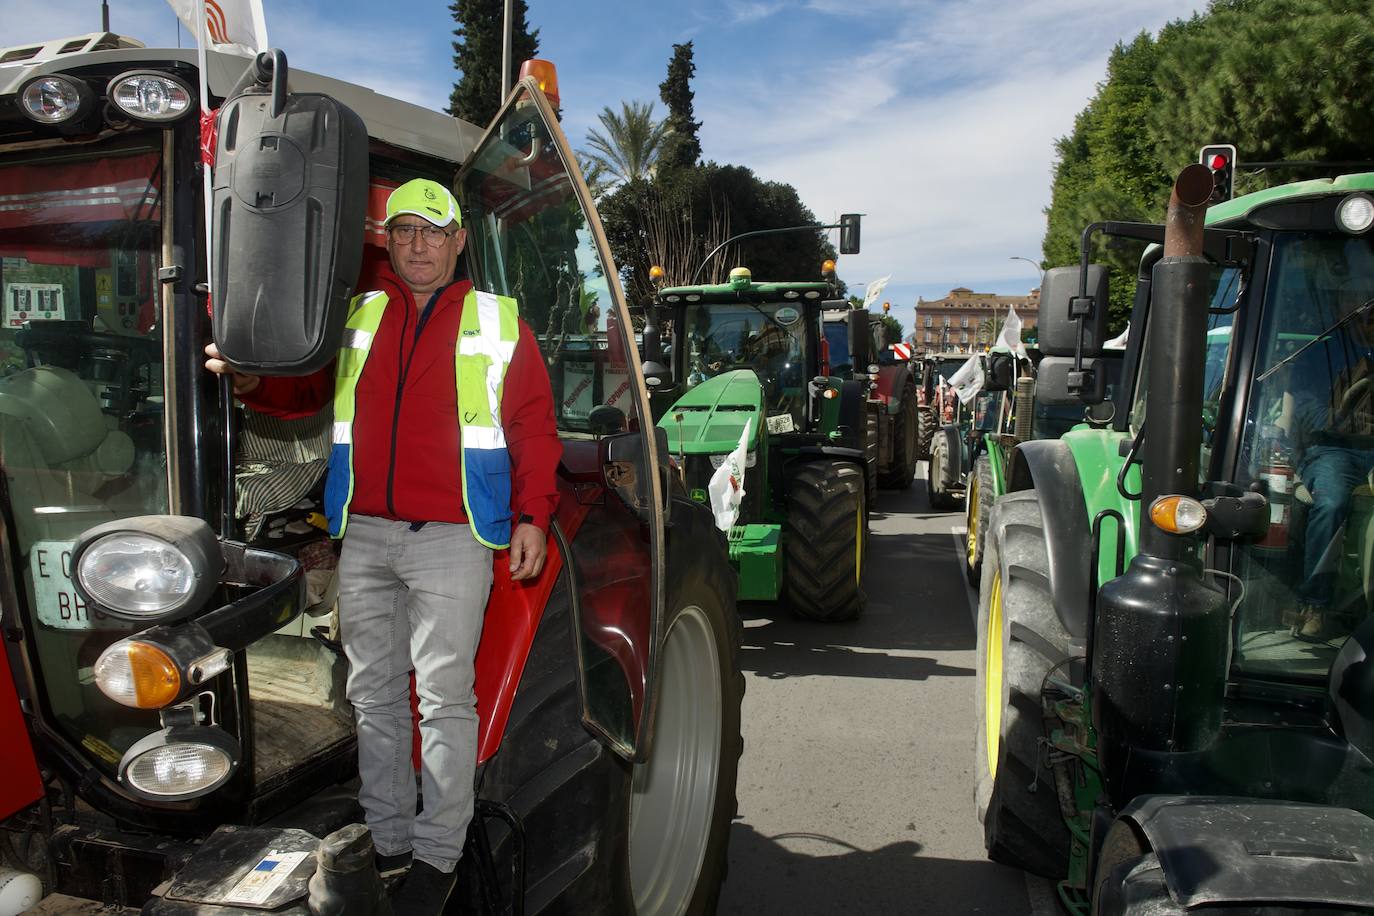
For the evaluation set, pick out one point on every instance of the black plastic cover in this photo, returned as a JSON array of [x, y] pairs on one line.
[[1052, 381], [1057, 329], [1248, 850], [290, 201]]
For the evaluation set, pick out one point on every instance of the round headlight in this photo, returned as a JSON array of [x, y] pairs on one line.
[[150, 96], [148, 569], [137, 674], [179, 762], [136, 574], [1356, 213], [53, 99]]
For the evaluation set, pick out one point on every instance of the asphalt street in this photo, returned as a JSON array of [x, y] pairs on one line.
[[856, 785]]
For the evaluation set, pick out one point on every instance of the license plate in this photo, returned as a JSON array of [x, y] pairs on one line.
[[55, 595]]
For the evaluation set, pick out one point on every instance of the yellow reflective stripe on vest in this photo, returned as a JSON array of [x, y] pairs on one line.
[[360, 328]]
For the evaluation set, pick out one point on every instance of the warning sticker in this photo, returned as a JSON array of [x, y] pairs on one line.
[[269, 874]]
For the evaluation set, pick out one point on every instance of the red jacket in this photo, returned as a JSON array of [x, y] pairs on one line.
[[406, 454]]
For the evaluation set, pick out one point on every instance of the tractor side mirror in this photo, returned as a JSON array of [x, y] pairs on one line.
[[1061, 306], [606, 419], [1052, 382], [999, 372], [290, 204], [859, 338], [849, 233]]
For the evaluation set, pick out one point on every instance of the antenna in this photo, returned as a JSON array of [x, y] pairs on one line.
[[104, 16]]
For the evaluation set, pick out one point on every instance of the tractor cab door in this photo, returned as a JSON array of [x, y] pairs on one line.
[[534, 235]]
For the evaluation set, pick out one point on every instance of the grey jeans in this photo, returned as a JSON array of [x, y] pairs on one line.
[[414, 600]]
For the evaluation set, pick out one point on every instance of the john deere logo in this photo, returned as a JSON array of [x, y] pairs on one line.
[[786, 315]]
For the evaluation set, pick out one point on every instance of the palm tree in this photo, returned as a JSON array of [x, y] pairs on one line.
[[631, 143], [989, 328]]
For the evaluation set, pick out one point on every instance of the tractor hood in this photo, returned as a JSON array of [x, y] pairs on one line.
[[714, 414]]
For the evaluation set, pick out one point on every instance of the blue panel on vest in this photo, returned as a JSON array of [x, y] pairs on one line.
[[488, 492], [336, 485]]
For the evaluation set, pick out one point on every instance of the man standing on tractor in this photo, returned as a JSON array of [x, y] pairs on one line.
[[446, 437]]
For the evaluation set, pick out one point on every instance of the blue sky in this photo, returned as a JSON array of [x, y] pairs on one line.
[[934, 118]]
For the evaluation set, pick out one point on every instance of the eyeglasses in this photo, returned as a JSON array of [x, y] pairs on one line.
[[404, 234]]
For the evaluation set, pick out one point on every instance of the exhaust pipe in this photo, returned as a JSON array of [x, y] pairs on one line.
[[1160, 639]]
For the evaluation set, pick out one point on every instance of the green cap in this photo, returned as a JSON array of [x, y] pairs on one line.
[[426, 199]]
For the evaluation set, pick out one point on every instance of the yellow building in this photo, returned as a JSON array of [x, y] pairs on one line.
[[966, 322]]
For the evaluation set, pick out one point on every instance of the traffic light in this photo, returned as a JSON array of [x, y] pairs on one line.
[[1221, 159], [849, 233]]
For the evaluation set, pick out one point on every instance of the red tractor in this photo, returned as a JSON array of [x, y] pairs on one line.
[[175, 730]]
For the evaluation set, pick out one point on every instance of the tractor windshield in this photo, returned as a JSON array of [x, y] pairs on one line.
[[769, 339], [81, 401], [1308, 441]]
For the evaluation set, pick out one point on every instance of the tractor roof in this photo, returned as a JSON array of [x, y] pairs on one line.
[[392, 121], [753, 292], [1244, 210]]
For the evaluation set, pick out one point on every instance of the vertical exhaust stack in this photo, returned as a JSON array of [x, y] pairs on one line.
[[1161, 635]]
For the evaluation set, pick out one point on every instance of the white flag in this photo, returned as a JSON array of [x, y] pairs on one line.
[[726, 488], [233, 26], [1119, 341], [968, 380], [875, 289], [1011, 334]]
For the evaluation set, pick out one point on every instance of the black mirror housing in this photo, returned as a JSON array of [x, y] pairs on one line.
[[290, 203], [1057, 326], [999, 370], [859, 339], [1052, 382]]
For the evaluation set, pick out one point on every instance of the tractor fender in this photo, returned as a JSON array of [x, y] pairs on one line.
[[1047, 466], [853, 407], [891, 380], [1220, 849]]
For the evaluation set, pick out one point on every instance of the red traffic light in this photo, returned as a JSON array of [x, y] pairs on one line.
[[1218, 161]]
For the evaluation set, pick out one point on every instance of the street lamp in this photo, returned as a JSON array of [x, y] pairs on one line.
[[1035, 264]]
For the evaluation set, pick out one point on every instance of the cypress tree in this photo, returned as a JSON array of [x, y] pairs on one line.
[[681, 148], [477, 55]]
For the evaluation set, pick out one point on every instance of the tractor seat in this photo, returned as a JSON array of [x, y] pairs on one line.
[[57, 450]]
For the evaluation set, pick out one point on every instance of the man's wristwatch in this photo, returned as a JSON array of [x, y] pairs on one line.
[[525, 519]]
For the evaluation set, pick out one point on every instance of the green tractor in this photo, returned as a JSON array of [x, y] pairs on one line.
[[748, 367], [1174, 688]]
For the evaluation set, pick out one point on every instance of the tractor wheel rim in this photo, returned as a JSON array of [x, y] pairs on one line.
[[673, 793], [992, 675], [971, 521]]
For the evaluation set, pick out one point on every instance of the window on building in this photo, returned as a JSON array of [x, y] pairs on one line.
[[946, 321], [930, 320], [929, 336], [965, 321], [963, 337]]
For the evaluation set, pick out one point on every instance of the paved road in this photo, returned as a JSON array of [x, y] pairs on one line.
[[856, 786]]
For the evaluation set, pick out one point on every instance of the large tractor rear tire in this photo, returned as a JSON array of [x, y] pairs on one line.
[[925, 431], [938, 471], [905, 434], [1021, 642], [602, 835], [825, 541], [977, 510]]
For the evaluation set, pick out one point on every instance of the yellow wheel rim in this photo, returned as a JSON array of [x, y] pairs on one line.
[[992, 674], [971, 519]]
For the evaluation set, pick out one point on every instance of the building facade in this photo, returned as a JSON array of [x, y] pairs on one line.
[[968, 322]]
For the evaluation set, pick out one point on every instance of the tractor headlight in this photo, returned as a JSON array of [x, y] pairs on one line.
[[751, 458], [1356, 213], [149, 96], [180, 762], [148, 569], [54, 99]]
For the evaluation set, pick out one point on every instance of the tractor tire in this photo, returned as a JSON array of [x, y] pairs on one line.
[[925, 432], [977, 510], [596, 827], [871, 466], [905, 433], [940, 498], [824, 546], [1020, 642]]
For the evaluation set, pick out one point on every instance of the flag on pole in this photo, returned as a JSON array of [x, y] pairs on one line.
[[232, 26], [1119, 341], [967, 381], [1011, 334], [875, 289], [726, 488]]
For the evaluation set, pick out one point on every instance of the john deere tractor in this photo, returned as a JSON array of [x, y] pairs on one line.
[[1175, 692], [746, 360]]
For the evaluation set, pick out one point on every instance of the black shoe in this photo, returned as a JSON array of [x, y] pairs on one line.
[[425, 892], [391, 866]]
